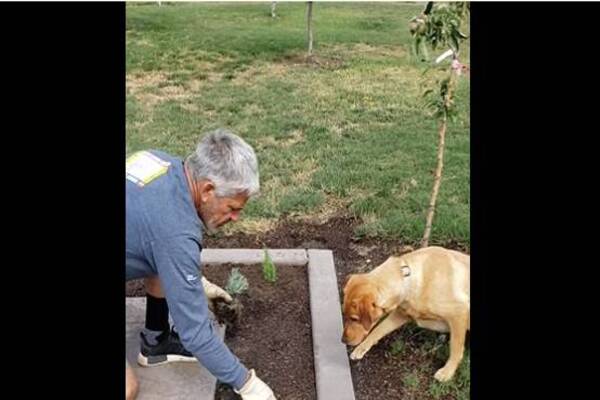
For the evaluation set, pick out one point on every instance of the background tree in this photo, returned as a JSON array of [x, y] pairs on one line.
[[439, 26]]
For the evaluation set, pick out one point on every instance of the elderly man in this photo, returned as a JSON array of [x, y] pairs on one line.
[[169, 203]]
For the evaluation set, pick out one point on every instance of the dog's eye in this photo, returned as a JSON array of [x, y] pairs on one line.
[[354, 317]]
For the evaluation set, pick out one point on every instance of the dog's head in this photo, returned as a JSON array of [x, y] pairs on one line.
[[360, 308]]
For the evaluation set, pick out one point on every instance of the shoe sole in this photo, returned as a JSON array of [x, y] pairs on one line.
[[153, 361]]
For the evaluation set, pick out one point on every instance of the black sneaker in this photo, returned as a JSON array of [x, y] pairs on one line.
[[168, 349]]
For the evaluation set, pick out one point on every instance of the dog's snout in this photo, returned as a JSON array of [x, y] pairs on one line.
[[343, 336]]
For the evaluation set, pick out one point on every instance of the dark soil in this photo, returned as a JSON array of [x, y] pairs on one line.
[[380, 374], [315, 61], [274, 334]]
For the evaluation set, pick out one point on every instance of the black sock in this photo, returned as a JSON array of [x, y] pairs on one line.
[[157, 314]]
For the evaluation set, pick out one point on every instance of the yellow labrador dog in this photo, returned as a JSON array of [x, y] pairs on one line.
[[429, 286]]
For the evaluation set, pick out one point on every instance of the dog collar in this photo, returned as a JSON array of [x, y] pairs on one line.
[[405, 282], [405, 270]]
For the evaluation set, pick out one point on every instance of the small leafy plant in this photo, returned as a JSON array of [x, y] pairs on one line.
[[230, 314], [269, 269], [237, 283], [397, 347]]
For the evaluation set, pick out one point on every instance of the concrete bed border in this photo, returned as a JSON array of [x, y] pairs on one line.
[[332, 368]]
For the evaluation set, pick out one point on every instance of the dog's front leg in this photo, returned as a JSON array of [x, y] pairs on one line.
[[394, 321], [458, 331]]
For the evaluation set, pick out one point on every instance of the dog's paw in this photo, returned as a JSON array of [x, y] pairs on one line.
[[444, 374], [359, 352]]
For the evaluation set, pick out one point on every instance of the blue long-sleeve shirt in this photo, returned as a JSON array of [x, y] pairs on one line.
[[164, 238]]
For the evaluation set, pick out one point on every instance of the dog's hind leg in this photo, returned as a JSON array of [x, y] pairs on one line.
[[394, 321], [458, 330]]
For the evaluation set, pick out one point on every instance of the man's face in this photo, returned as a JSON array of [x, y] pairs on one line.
[[217, 211]]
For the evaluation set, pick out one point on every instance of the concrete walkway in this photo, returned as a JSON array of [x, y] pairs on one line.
[[176, 381]]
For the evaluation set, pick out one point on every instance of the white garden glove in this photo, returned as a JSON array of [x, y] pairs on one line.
[[255, 389], [214, 292]]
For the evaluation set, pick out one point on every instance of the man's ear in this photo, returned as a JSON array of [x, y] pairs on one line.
[[207, 190]]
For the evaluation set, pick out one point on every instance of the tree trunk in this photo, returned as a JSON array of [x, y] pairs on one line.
[[428, 8], [440, 162], [436, 181], [309, 27]]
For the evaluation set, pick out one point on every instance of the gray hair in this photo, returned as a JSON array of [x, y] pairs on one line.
[[228, 161]]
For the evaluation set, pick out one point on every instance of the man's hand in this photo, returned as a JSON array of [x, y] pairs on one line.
[[214, 292], [255, 389]]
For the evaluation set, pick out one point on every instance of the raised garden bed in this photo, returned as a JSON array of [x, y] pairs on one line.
[[329, 373], [273, 334], [272, 348]]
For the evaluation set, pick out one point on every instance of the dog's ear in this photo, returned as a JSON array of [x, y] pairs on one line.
[[366, 312], [347, 281], [369, 312]]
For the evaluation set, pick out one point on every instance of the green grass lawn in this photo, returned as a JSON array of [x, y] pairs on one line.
[[346, 133], [432, 349]]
